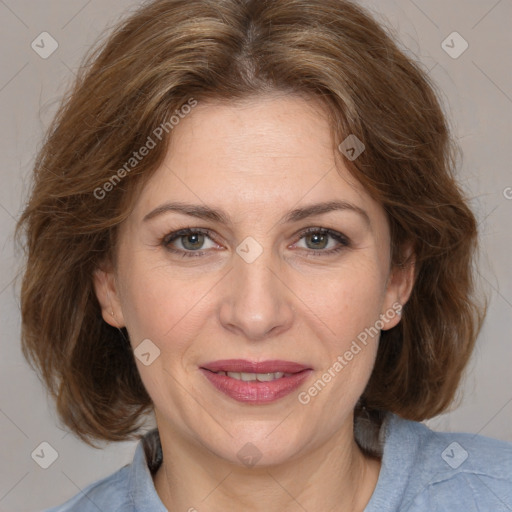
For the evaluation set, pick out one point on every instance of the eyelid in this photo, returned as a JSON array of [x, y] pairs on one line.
[[175, 235], [170, 237], [342, 240], [325, 231]]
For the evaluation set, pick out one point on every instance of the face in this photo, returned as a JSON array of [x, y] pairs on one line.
[[263, 278]]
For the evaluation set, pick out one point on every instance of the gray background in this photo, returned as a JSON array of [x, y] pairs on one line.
[[477, 94]]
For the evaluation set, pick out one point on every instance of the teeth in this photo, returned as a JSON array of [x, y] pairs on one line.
[[266, 377], [261, 377]]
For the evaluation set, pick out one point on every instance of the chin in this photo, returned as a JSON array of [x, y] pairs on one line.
[[260, 444]]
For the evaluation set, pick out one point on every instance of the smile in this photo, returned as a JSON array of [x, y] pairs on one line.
[[255, 383], [260, 377]]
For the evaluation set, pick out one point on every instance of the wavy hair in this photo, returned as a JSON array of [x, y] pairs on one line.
[[152, 64]]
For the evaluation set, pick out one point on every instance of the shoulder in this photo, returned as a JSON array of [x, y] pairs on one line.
[[110, 493], [453, 471], [130, 488]]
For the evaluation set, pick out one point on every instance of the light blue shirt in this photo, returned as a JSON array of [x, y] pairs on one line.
[[422, 471]]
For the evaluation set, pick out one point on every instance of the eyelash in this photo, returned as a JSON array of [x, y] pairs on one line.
[[171, 237]]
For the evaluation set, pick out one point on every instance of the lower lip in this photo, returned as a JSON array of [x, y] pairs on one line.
[[256, 392]]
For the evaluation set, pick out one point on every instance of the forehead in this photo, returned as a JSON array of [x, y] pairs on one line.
[[269, 152]]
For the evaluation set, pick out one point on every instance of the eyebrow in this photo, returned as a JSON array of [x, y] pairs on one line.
[[295, 215]]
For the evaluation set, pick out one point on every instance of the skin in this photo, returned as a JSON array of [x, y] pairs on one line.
[[256, 160]]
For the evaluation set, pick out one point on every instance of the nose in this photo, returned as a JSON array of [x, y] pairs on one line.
[[255, 301]]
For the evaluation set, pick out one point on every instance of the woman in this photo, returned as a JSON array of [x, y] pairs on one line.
[[245, 221]]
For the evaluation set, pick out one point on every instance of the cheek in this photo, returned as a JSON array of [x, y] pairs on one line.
[[162, 305], [349, 299], [350, 306], [170, 311], [351, 312]]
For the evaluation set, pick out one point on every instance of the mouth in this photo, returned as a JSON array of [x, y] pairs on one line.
[[254, 367], [255, 382], [249, 377]]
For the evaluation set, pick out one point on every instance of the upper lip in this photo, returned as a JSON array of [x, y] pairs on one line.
[[245, 366]]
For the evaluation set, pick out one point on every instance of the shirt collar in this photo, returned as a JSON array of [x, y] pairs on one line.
[[141, 487], [400, 441], [395, 432]]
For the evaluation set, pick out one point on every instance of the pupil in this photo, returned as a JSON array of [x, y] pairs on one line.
[[318, 238], [196, 241]]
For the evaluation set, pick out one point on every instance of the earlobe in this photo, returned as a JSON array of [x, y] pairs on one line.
[[105, 287]]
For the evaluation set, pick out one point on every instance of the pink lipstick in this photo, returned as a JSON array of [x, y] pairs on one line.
[[253, 382]]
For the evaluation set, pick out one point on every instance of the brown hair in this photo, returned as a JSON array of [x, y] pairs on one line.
[[170, 51]]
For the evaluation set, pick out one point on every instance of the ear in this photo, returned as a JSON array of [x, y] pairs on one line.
[[398, 289], [107, 292]]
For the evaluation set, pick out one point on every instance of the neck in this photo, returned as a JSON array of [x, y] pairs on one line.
[[335, 476]]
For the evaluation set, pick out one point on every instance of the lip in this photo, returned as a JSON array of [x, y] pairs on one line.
[[255, 392], [243, 365]]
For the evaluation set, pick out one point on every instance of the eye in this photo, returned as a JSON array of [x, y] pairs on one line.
[[188, 242], [324, 241]]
